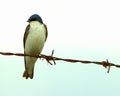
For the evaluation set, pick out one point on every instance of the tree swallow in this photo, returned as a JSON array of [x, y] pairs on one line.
[[34, 38]]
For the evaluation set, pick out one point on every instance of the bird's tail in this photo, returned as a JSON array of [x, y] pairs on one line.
[[27, 75]]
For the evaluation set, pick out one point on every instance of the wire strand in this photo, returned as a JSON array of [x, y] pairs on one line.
[[49, 58]]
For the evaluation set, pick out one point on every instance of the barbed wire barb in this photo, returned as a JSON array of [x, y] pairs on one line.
[[49, 58]]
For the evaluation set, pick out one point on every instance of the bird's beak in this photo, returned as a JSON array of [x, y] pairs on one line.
[[28, 20]]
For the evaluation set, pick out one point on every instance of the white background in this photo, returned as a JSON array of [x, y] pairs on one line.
[[78, 29]]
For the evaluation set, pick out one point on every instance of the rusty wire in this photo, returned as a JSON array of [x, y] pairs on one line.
[[49, 58]]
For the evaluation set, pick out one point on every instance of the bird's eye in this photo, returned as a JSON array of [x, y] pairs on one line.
[[33, 19]]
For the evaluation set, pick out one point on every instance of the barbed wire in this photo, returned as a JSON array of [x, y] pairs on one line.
[[49, 58]]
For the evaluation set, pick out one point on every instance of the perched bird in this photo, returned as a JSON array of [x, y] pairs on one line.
[[34, 38]]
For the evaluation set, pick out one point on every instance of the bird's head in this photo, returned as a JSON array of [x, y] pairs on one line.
[[35, 17]]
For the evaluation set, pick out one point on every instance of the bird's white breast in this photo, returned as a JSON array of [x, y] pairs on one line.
[[35, 39]]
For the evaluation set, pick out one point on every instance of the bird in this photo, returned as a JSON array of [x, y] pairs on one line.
[[34, 39]]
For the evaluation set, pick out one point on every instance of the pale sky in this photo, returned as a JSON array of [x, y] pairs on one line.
[[78, 29]]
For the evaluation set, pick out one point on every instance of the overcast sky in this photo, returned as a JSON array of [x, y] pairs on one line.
[[78, 29]]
